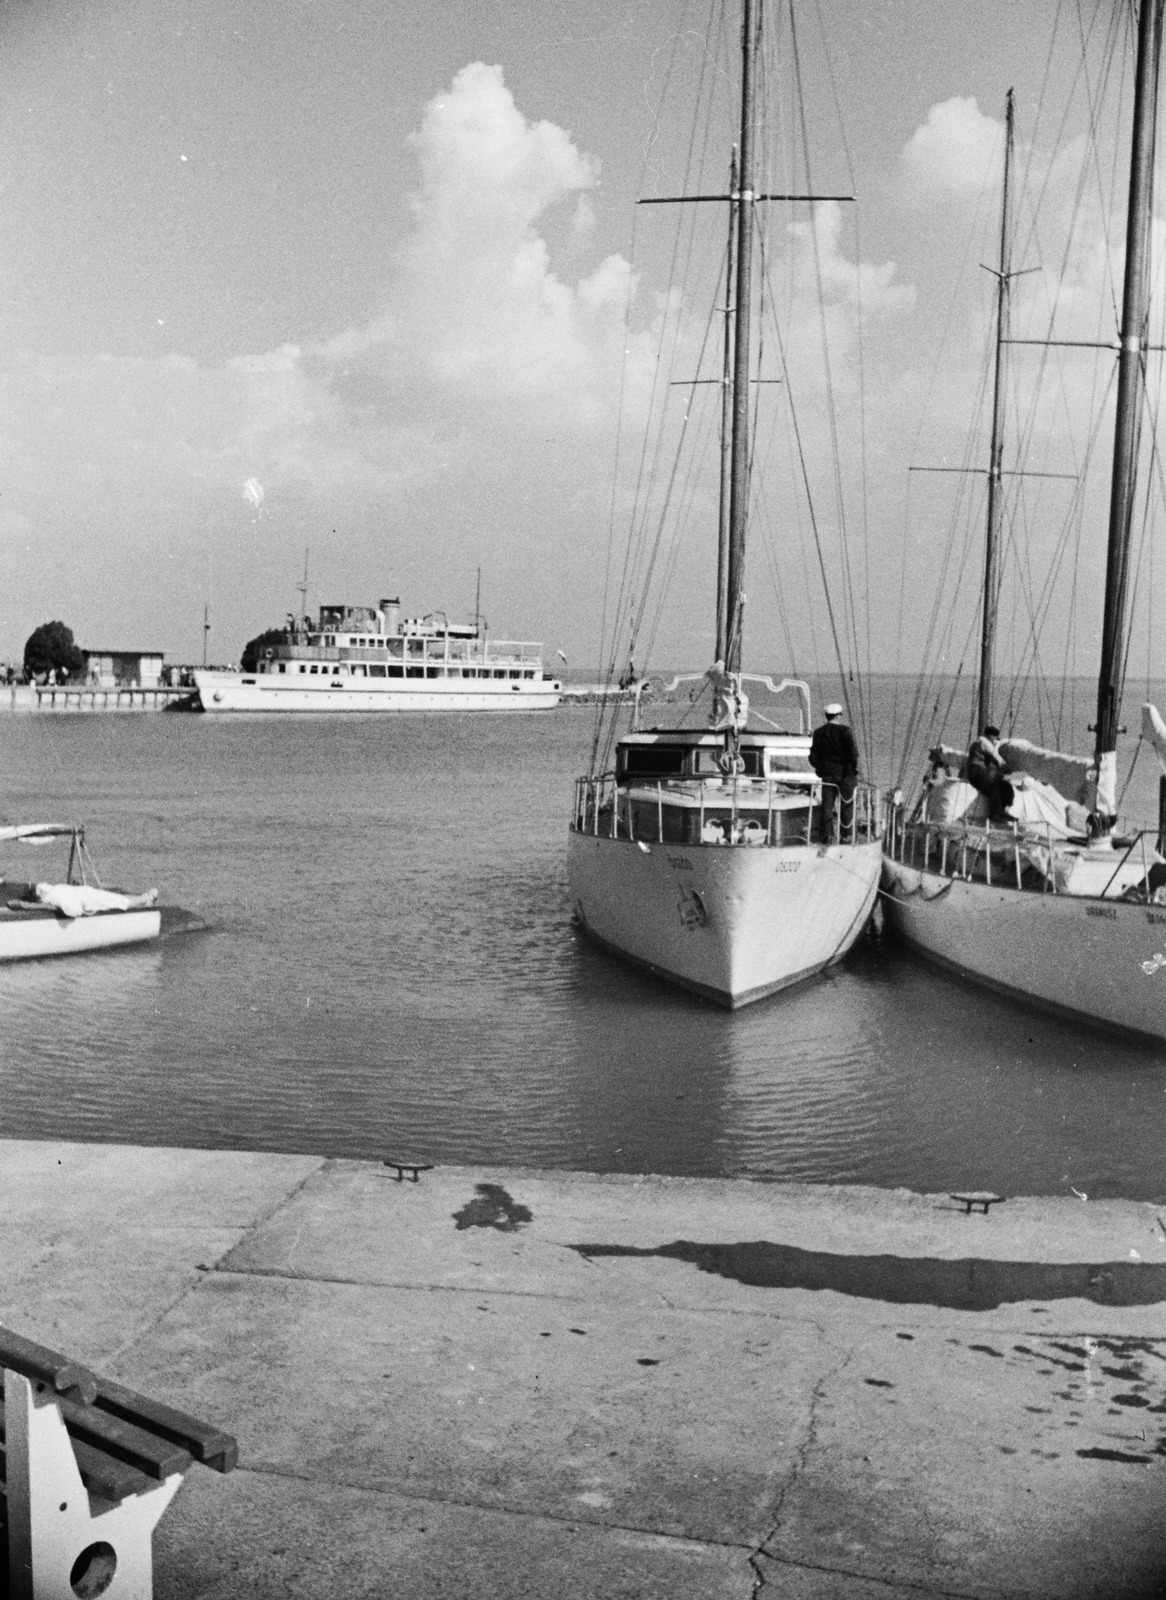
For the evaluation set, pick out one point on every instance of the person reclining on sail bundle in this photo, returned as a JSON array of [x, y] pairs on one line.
[[834, 757], [987, 772]]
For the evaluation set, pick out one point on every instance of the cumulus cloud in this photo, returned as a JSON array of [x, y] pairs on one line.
[[860, 285], [956, 151], [476, 305], [475, 329]]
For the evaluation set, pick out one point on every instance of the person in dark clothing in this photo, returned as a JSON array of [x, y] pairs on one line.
[[987, 772], [834, 757]]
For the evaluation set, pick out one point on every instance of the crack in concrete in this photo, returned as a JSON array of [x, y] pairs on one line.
[[151, 1327], [893, 1586], [801, 1456], [392, 1283], [680, 1540]]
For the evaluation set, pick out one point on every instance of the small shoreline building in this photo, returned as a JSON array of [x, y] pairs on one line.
[[123, 669]]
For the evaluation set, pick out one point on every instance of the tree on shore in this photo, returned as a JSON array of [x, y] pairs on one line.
[[255, 649], [52, 649]]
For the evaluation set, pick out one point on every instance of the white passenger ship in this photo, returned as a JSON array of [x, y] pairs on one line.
[[366, 658]]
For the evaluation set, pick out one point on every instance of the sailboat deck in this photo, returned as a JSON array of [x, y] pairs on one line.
[[1011, 857], [717, 812]]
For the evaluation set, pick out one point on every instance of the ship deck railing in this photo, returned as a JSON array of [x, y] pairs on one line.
[[421, 650], [1007, 854], [747, 812]]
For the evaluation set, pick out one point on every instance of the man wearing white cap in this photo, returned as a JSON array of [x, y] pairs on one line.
[[834, 757]]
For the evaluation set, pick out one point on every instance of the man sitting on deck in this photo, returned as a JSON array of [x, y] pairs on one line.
[[834, 757], [988, 774]]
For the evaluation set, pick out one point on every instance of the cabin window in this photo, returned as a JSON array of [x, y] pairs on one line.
[[432, 672], [313, 669], [499, 672], [528, 674], [653, 760], [395, 671], [377, 670], [414, 672], [330, 639], [788, 761], [282, 668]]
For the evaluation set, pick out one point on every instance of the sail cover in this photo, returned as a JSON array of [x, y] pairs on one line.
[[1154, 730], [1069, 775], [35, 832]]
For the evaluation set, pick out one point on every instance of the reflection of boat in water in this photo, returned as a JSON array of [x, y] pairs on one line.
[[76, 915], [369, 658], [1017, 872], [711, 852]]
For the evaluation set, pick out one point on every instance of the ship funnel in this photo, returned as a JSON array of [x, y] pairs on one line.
[[392, 614]]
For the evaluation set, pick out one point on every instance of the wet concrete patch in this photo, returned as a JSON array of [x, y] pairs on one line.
[[971, 1284], [493, 1208], [1119, 1379]]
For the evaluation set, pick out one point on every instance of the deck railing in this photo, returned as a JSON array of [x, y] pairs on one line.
[[755, 813], [984, 853]]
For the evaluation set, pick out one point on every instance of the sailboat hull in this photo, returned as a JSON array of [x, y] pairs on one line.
[[730, 924], [28, 936], [1096, 961]]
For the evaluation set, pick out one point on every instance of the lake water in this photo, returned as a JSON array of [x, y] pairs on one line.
[[391, 970]]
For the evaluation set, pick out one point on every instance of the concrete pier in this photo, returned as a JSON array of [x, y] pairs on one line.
[[25, 697], [505, 1383], [117, 697]]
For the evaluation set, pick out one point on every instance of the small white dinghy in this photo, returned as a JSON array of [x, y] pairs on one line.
[[71, 916]]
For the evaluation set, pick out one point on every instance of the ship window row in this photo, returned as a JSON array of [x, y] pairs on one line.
[[392, 670], [429, 647]]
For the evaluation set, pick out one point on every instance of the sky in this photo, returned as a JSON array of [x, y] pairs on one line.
[[362, 283]]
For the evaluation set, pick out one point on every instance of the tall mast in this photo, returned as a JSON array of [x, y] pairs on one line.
[[739, 447], [726, 425], [303, 588], [995, 474], [1127, 431]]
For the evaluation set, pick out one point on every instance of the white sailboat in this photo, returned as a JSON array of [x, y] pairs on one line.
[[72, 916], [712, 854], [1053, 898]]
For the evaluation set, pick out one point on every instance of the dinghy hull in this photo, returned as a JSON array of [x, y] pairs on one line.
[[30, 935]]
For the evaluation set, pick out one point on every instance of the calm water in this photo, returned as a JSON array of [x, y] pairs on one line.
[[391, 969]]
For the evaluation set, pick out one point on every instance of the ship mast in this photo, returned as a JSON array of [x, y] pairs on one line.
[[726, 423], [995, 474], [1127, 429], [739, 433]]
